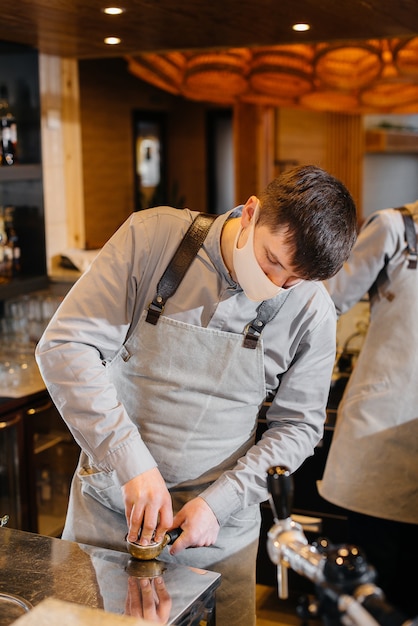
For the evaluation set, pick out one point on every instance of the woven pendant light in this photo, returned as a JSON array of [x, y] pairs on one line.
[[216, 76], [253, 97], [405, 55], [164, 71], [329, 100], [385, 95], [348, 66], [281, 71]]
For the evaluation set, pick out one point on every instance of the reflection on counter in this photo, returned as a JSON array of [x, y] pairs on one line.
[[44, 567]]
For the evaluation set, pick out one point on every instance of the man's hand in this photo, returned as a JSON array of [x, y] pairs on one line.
[[148, 507], [199, 524]]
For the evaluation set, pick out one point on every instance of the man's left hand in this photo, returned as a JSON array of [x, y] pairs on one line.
[[199, 524]]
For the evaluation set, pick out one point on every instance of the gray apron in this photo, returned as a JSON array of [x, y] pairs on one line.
[[379, 411], [197, 421]]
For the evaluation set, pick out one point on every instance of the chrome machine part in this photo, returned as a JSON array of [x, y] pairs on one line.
[[344, 581]]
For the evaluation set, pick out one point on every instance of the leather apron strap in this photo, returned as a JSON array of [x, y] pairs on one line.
[[265, 313], [179, 264], [411, 249], [177, 268], [410, 236]]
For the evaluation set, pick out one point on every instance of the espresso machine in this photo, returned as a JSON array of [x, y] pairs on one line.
[[344, 582]]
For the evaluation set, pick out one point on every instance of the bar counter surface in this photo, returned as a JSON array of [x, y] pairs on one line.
[[35, 567]]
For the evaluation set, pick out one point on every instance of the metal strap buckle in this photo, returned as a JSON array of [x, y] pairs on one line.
[[155, 308]]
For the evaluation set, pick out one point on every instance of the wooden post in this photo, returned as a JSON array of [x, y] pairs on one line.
[[254, 137]]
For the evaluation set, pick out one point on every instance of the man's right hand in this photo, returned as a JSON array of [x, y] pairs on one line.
[[148, 507]]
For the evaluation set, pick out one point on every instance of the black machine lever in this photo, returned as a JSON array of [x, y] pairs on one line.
[[280, 487]]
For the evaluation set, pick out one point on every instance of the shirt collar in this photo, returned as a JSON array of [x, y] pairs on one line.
[[213, 242]]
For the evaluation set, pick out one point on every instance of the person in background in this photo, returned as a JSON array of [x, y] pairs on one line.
[[372, 466], [163, 398]]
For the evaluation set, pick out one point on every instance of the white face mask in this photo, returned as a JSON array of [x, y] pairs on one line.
[[254, 282]]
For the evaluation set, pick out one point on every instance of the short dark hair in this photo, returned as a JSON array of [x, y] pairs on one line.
[[319, 215]]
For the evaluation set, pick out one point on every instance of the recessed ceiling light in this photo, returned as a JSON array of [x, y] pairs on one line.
[[112, 41], [113, 10], [301, 27]]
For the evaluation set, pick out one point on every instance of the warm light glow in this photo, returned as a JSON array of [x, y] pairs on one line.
[[370, 76], [112, 41], [113, 10], [301, 27]]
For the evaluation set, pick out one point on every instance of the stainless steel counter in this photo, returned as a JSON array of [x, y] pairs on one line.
[[34, 567]]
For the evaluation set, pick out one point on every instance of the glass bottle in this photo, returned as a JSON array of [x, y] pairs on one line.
[[3, 245], [13, 243], [8, 130]]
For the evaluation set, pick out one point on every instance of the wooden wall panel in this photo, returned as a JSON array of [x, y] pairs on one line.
[[186, 144], [334, 141], [301, 138], [345, 153], [109, 95], [245, 151], [254, 137], [74, 191]]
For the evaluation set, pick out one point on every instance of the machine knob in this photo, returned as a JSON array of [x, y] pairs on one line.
[[346, 567]]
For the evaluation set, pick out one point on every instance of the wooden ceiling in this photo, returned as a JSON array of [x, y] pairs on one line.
[[73, 29]]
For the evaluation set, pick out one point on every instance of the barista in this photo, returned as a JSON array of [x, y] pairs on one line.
[[164, 400]]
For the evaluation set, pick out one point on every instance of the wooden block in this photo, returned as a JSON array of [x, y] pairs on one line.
[[51, 612]]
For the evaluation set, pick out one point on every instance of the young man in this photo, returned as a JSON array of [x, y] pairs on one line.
[[163, 398]]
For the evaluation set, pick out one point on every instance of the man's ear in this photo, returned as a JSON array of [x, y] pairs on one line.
[[248, 211]]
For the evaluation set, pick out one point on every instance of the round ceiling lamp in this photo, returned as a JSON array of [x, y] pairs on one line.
[[405, 56], [252, 97], [329, 100], [164, 71], [348, 66], [281, 71], [216, 76], [386, 95], [361, 76], [406, 109]]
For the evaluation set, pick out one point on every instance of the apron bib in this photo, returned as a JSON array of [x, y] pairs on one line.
[[194, 394], [196, 420]]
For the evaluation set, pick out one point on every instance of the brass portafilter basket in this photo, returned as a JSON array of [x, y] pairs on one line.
[[154, 549]]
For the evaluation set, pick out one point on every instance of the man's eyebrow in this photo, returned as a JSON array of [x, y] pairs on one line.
[[273, 257]]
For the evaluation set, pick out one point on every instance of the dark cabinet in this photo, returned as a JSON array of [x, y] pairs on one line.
[[21, 184], [52, 455], [13, 501], [38, 459]]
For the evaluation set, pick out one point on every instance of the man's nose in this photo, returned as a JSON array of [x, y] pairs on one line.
[[278, 278]]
